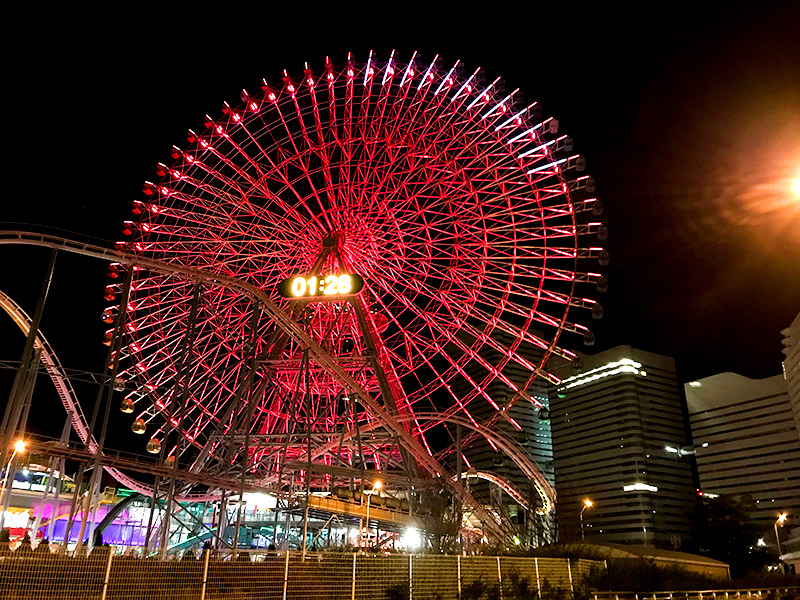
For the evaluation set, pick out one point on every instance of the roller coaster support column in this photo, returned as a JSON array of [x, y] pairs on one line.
[[53, 465], [251, 404], [107, 386], [183, 371], [11, 467], [11, 417]]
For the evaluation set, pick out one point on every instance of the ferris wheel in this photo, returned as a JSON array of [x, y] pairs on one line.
[[424, 226]]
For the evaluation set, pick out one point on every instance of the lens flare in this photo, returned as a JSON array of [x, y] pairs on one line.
[[795, 186]]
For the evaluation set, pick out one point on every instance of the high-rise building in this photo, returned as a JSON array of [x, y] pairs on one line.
[[791, 367], [619, 440], [747, 441]]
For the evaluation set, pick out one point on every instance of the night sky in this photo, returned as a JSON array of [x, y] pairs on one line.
[[689, 120]]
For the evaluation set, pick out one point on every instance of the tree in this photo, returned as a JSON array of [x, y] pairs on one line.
[[443, 524], [724, 530]]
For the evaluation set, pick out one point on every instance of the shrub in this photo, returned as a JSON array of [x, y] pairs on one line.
[[473, 590], [517, 587], [398, 591]]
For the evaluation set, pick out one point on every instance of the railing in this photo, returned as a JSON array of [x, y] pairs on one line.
[[104, 575], [779, 593]]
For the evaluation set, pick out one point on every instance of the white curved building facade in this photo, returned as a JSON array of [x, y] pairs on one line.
[[753, 444]]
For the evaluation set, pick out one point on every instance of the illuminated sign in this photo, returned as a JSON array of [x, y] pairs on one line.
[[639, 487], [625, 365], [320, 286], [16, 519]]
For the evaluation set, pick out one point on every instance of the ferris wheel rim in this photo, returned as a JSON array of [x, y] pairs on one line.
[[286, 95]]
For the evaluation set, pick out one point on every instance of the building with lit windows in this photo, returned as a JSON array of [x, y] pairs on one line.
[[747, 442], [791, 366], [619, 439]]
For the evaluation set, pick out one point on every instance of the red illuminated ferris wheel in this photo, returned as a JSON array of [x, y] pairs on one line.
[[420, 224]]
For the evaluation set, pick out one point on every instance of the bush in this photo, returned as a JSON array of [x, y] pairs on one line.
[[493, 592], [633, 575], [759, 579], [398, 591], [553, 592], [517, 587], [473, 590]]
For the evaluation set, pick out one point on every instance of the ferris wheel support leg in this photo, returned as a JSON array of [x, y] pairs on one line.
[[391, 391]]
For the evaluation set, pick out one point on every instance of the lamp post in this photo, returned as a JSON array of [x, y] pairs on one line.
[[586, 504], [375, 488], [19, 446], [780, 521]]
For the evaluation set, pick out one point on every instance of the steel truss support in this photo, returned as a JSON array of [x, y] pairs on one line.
[[15, 415]]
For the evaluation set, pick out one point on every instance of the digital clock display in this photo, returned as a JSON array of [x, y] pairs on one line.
[[320, 285]]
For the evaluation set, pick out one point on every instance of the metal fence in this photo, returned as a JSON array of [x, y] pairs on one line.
[[285, 575], [781, 593]]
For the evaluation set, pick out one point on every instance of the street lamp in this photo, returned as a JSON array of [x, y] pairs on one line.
[[795, 186], [19, 446], [780, 521], [375, 488], [586, 504]]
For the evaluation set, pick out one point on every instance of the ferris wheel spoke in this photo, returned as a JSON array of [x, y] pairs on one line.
[[322, 150], [440, 331], [300, 158]]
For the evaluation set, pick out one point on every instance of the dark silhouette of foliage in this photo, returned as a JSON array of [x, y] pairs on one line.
[[517, 587], [493, 592], [5, 537], [640, 575], [553, 592], [25, 545], [398, 591], [724, 530], [473, 590]]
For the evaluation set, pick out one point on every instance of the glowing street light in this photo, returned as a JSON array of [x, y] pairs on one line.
[[586, 504], [795, 186], [19, 447], [375, 489], [780, 521]]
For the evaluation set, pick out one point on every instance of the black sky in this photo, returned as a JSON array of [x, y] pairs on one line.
[[687, 117]]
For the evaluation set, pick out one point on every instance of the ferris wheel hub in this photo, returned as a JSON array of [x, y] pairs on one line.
[[335, 240]]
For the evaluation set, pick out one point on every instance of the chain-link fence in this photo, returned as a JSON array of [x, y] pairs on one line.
[[105, 575]]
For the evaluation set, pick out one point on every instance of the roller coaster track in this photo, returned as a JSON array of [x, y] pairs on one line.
[[287, 324]]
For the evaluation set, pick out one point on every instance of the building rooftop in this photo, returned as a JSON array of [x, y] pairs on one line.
[[729, 388]]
